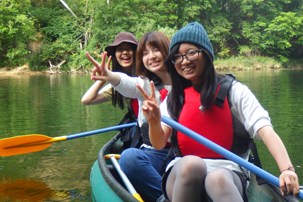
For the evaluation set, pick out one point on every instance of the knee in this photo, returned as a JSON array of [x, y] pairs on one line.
[[193, 169], [129, 157], [218, 178], [128, 154]]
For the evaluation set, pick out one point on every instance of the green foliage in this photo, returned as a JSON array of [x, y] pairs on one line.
[[62, 37], [16, 31], [55, 52], [247, 27], [138, 17], [272, 30], [283, 59], [79, 60], [252, 62], [224, 53], [281, 32], [245, 50]]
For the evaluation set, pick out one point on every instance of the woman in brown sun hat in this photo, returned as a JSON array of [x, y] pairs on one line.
[[123, 52]]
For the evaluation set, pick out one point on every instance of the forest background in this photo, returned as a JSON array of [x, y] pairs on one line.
[[41, 33]]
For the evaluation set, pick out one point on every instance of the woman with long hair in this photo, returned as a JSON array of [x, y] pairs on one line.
[[123, 57], [143, 166], [198, 173]]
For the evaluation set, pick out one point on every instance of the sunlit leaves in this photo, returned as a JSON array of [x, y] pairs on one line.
[[269, 27], [16, 30], [282, 31]]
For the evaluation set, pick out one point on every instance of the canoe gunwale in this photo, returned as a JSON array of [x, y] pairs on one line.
[[107, 175], [124, 195]]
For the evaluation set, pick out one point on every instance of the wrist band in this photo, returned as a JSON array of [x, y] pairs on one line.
[[290, 168]]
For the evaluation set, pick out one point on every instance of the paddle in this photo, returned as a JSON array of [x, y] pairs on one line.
[[33, 143], [124, 178], [224, 152]]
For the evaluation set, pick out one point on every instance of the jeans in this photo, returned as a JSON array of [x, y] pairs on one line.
[[142, 167]]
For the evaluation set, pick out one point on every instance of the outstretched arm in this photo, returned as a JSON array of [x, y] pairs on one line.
[[93, 94], [288, 178], [158, 134]]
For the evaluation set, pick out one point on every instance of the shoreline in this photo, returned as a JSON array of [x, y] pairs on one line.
[[24, 70]]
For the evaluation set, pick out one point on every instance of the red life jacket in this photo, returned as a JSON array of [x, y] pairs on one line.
[[215, 124], [135, 106], [163, 93], [241, 140], [135, 103]]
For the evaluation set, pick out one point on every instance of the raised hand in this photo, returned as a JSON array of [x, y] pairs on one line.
[[100, 69], [150, 106]]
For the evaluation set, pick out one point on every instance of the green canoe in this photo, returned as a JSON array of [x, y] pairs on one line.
[[107, 185]]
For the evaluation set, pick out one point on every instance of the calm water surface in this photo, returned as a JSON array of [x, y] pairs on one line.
[[50, 105]]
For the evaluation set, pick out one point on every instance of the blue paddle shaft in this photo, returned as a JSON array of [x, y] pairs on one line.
[[224, 152], [103, 130]]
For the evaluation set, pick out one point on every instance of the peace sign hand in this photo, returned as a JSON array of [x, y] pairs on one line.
[[100, 69], [150, 108]]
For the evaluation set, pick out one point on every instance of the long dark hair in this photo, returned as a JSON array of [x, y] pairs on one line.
[[209, 80], [155, 39], [117, 98], [175, 99]]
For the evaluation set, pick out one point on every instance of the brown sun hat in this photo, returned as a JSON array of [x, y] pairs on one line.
[[120, 38]]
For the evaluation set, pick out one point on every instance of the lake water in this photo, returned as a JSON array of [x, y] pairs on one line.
[[50, 105]]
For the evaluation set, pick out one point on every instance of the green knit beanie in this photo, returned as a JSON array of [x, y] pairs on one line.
[[193, 33]]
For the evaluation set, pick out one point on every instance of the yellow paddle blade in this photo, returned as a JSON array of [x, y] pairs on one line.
[[24, 144]]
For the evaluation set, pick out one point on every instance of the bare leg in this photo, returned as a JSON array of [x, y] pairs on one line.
[[186, 179], [228, 186]]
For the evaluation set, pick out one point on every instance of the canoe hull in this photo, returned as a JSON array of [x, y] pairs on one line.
[[107, 186], [266, 192], [101, 189]]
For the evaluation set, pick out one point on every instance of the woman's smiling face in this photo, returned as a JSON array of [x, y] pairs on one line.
[[125, 55], [191, 70], [153, 59]]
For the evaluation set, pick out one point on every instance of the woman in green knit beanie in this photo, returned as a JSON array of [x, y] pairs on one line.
[[198, 173]]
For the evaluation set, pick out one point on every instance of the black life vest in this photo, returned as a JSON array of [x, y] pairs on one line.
[[241, 139]]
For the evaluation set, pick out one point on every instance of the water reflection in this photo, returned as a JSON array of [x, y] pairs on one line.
[[24, 189], [50, 105]]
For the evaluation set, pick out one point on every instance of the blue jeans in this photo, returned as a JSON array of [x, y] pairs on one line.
[[142, 167]]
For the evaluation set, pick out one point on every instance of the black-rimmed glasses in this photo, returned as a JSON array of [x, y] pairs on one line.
[[190, 56]]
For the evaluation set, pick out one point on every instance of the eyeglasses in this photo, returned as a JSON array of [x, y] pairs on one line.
[[190, 56]]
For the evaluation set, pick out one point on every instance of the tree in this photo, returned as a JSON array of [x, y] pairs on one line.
[[270, 30], [282, 33], [16, 31]]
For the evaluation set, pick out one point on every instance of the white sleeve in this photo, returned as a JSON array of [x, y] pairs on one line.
[[127, 86], [247, 109], [164, 111]]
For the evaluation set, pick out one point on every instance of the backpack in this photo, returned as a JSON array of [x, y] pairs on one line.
[[128, 133]]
